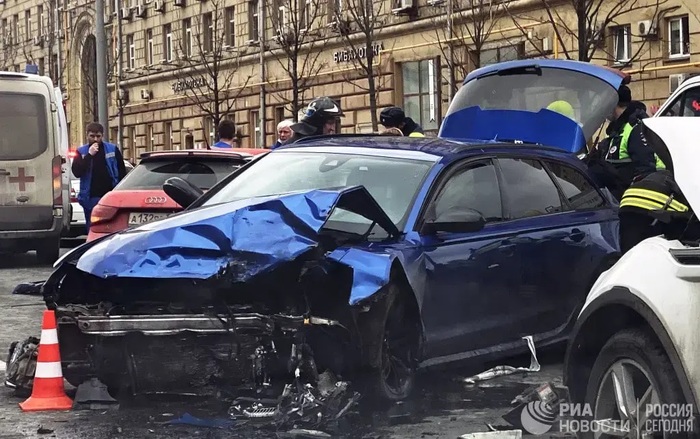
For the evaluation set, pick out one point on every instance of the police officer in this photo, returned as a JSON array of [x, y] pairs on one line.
[[100, 166], [321, 117], [652, 206], [624, 155], [394, 117]]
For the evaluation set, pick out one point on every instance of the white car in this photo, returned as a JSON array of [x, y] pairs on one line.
[[684, 101], [633, 359]]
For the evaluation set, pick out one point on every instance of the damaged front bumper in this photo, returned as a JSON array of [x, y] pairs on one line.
[[248, 324]]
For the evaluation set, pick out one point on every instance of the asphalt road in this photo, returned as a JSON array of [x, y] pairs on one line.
[[443, 407]]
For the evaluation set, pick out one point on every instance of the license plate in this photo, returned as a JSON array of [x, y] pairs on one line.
[[136, 218]]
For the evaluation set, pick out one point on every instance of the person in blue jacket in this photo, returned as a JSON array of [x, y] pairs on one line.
[[227, 135], [100, 166]]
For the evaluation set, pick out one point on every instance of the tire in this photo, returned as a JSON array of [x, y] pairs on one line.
[[48, 251], [394, 378], [640, 356]]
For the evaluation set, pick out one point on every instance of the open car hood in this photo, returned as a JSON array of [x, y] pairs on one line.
[[555, 103], [242, 239], [675, 141]]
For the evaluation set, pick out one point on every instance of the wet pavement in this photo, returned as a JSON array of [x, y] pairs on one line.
[[443, 406]]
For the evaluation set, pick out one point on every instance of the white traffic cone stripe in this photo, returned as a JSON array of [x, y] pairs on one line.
[[49, 336], [48, 370]]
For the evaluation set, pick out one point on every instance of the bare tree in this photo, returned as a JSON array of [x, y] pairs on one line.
[[10, 46], [468, 29], [591, 18], [297, 45], [359, 23], [208, 64]]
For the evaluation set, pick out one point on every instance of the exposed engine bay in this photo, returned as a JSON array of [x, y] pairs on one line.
[[192, 336]]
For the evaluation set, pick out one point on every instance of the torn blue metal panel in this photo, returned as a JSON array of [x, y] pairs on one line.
[[371, 271], [255, 234]]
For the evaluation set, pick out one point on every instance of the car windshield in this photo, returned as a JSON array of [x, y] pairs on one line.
[[391, 181], [202, 173], [591, 99]]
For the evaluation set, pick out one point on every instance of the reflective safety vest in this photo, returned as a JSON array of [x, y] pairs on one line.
[[112, 168], [648, 199], [617, 153]]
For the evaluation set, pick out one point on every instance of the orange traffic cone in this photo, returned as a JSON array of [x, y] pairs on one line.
[[48, 392]]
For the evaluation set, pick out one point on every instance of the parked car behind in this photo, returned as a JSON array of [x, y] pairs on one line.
[[369, 256], [684, 101], [139, 197]]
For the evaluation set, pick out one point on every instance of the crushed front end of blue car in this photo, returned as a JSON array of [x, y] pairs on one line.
[[238, 292]]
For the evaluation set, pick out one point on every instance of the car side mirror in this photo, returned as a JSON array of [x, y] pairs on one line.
[[458, 220], [181, 191]]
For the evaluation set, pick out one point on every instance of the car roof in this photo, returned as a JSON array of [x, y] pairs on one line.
[[199, 153], [408, 147], [27, 77]]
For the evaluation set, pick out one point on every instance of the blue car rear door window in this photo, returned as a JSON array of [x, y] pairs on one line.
[[577, 189], [528, 188]]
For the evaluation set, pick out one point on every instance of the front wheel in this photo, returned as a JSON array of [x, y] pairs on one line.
[[633, 382], [394, 377]]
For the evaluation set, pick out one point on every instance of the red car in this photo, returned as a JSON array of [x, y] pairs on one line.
[[139, 198]]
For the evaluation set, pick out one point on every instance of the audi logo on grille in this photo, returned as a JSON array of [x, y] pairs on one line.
[[156, 200]]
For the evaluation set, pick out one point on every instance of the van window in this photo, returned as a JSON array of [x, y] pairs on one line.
[[24, 130]]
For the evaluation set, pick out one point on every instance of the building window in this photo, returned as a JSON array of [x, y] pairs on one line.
[[55, 73], [622, 43], [132, 141], [678, 37], [187, 36], [230, 32], [27, 25], [149, 47], [168, 136], [420, 92], [253, 21], [255, 131], [210, 130], [40, 19], [208, 29], [168, 43], [131, 47], [150, 138], [42, 66], [281, 19], [279, 115], [15, 29], [305, 14], [114, 135], [501, 54]]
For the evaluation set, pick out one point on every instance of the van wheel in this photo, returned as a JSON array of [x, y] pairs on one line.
[[47, 253]]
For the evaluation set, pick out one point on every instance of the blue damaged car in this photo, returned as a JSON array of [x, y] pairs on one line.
[[369, 256]]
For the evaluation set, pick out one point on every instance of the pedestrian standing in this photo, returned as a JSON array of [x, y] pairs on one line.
[[284, 132], [100, 166], [227, 135]]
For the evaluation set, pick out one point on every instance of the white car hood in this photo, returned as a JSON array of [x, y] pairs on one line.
[[679, 137]]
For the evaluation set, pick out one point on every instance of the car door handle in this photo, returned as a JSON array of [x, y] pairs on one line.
[[4, 172], [577, 235]]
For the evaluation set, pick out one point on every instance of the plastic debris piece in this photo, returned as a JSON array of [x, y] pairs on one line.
[[29, 288], [508, 370], [503, 434], [42, 430], [188, 419]]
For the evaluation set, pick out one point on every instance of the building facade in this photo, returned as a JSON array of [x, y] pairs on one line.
[[176, 67]]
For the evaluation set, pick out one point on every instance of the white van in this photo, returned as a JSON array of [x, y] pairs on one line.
[[34, 208]]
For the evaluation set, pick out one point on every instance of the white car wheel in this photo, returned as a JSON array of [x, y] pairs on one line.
[[631, 381]]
